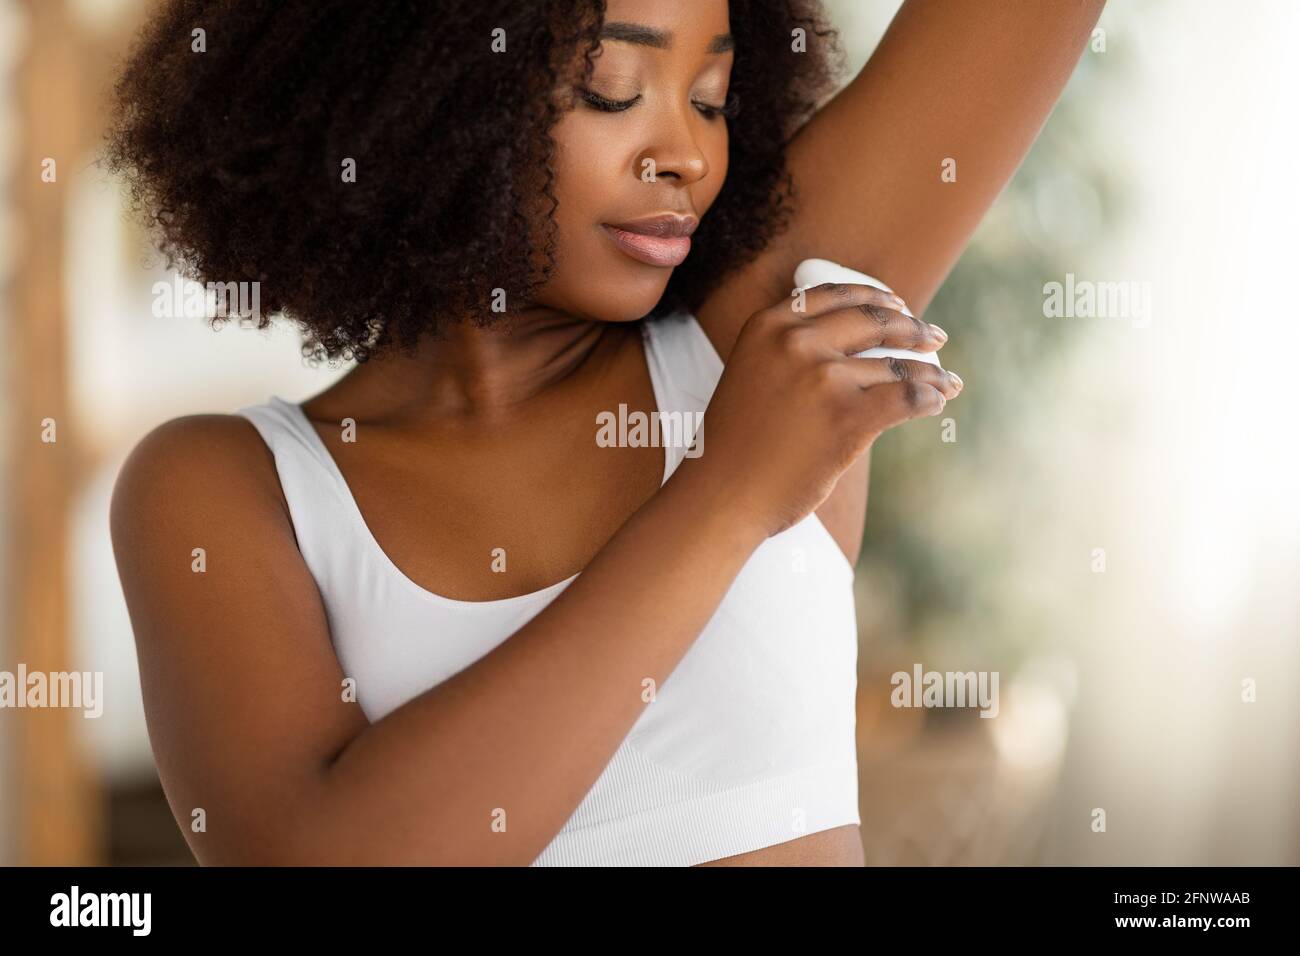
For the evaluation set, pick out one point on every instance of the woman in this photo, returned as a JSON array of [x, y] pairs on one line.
[[431, 616]]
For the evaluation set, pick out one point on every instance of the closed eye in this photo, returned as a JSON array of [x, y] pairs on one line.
[[710, 112], [729, 109], [596, 101]]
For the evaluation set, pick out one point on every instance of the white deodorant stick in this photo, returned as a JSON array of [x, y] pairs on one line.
[[813, 272]]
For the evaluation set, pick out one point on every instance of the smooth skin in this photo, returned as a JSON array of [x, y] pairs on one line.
[[485, 440]]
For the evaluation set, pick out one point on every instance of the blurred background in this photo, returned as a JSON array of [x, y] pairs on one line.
[[1107, 519]]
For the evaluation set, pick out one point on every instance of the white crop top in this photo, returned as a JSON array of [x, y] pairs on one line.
[[748, 743]]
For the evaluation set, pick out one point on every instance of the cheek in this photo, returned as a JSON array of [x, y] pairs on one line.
[[591, 278], [588, 168]]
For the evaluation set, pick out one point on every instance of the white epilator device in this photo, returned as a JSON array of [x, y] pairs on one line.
[[813, 272]]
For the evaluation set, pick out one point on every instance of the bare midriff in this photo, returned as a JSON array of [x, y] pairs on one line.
[[841, 846]]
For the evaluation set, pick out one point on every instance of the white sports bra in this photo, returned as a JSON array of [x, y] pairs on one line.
[[748, 743]]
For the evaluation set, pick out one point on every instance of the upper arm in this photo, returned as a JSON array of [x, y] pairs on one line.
[[241, 686], [950, 80]]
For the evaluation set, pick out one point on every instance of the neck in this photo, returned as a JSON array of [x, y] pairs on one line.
[[472, 372]]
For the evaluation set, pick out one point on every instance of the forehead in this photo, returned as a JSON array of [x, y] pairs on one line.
[[701, 26]]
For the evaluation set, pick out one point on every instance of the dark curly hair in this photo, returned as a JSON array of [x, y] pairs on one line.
[[234, 154]]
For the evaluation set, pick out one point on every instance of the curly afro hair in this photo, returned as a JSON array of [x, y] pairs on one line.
[[234, 155]]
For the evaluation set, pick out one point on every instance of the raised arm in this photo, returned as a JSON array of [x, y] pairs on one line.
[[951, 80]]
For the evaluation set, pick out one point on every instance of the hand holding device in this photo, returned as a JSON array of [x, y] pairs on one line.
[[813, 272]]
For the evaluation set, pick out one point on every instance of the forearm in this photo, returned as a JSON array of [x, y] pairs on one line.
[[527, 729]]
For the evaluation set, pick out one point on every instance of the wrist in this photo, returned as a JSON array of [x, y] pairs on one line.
[[714, 505]]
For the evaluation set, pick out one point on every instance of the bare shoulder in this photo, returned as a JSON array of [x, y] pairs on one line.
[[208, 463], [196, 486]]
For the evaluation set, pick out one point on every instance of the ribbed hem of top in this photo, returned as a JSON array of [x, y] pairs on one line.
[[723, 824]]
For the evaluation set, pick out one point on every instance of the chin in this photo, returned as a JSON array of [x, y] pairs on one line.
[[625, 298], [619, 312]]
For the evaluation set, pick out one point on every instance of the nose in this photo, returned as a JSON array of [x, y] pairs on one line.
[[673, 152]]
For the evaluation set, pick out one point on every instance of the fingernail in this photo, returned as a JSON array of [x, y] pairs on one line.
[[898, 300], [939, 333], [957, 380]]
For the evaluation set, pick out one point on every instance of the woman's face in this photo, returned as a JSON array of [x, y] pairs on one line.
[[641, 143]]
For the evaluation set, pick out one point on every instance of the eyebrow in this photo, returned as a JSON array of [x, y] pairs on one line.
[[643, 35]]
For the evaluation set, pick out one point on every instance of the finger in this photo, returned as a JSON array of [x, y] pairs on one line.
[[871, 372], [888, 405], [858, 328], [841, 295]]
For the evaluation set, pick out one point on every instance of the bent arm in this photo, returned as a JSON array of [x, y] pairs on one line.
[[243, 690], [972, 83]]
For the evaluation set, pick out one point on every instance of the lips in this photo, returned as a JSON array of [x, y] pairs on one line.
[[662, 241]]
